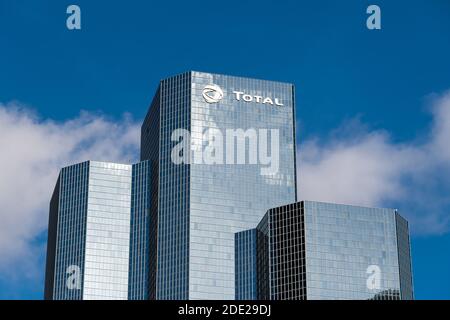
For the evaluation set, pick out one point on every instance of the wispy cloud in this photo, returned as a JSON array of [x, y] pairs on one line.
[[32, 150], [358, 166]]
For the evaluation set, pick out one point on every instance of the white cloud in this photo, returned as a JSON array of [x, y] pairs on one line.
[[32, 151], [367, 168]]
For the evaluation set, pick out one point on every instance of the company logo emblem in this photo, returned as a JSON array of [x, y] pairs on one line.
[[212, 93]]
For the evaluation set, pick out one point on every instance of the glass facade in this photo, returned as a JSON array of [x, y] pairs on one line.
[[245, 265], [172, 277], [323, 251], [150, 151], [51, 242], [68, 211], [286, 244], [404, 258], [201, 205], [107, 231], [90, 231], [139, 277], [347, 244]]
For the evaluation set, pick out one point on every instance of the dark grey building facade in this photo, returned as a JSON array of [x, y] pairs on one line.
[[141, 256]]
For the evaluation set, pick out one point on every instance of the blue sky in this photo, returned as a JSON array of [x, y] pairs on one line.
[[373, 83]]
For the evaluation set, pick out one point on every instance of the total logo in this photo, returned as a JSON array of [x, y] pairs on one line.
[[212, 93]]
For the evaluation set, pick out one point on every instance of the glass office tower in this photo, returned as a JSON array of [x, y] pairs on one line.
[[312, 250], [89, 233], [202, 204]]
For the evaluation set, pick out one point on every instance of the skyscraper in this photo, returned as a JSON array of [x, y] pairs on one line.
[[89, 233], [210, 194], [312, 250]]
